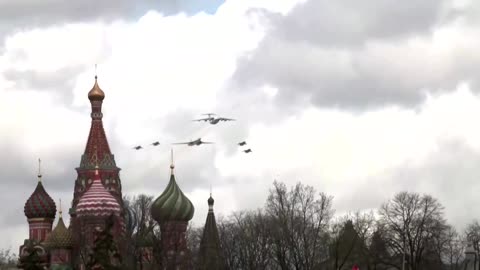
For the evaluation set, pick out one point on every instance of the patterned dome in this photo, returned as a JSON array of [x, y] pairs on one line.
[[97, 201], [172, 205], [40, 204], [60, 237]]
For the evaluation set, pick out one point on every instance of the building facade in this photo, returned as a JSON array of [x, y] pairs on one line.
[[98, 206]]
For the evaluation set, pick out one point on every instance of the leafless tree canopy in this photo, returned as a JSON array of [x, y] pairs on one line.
[[296, 229]]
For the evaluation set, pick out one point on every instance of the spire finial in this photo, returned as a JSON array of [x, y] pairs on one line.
[[96, 71], [60, 208], [172, 166], [39, 170], [210, 190]]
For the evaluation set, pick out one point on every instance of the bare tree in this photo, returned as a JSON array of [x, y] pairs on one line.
[[472, 233], [412, 222], [453, 249], [300, 219], [8, 260]]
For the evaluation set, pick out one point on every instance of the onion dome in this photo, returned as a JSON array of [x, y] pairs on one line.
[[96, 94], [60, 237], [172, 205], [97, 201], [40, 204], [210, 200]]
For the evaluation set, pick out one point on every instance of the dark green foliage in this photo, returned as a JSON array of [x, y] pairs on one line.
[[105, 254], [32, 261], [347, 247], [378, 252]]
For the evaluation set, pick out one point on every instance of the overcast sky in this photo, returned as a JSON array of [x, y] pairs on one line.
[[360, 99]]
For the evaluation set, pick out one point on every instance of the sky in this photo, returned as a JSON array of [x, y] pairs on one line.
[[359, 99]]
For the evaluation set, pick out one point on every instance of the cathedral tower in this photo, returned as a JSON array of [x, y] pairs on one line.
[[173, 210], [98, 189], [40, 210], [97, 151]]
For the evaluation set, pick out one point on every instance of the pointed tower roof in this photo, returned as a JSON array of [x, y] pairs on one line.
[[40, 204], [211, 256], [97, 148], [60, 237], [97, 201], [172, 204]]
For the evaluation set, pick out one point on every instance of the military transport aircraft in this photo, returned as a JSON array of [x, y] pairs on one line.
[[212, 119], [138, 147], [248, 150], [196, 142]]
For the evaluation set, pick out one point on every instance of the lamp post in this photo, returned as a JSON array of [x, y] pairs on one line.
[[403, 252]]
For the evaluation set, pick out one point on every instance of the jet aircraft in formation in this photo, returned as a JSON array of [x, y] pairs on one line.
[[212, 119], [196, 142]]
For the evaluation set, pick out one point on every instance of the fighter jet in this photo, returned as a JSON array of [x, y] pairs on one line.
[[155, 143], [212, 120], [242, 143], [138, 147], [248, 150], [196, 142]]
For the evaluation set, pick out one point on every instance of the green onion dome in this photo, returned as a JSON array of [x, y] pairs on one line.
[[172, 205], [40, 204], [60, 237]]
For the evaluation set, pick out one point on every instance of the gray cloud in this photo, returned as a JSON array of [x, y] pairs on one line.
[[449, 173], [354, 56], [349, 23], [35, 13], [19, 178], [59, 81]]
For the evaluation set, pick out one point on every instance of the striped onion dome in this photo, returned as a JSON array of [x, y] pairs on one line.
[[60, 237], [40, 204], [172, 205], [97, 201]]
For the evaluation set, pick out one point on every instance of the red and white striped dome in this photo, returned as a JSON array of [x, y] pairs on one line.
[[97, 201]]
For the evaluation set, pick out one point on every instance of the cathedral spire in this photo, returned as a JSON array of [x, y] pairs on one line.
[[97, 147], [210, 255], [172, 166], [39, 175]]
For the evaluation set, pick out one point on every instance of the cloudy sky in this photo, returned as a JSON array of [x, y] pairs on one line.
[[360, 100]]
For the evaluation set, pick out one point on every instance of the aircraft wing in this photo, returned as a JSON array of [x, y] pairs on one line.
[[226, 119], [203, 119]]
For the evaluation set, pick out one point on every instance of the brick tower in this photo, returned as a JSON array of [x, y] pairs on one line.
[[97, 171], [173, 210]]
